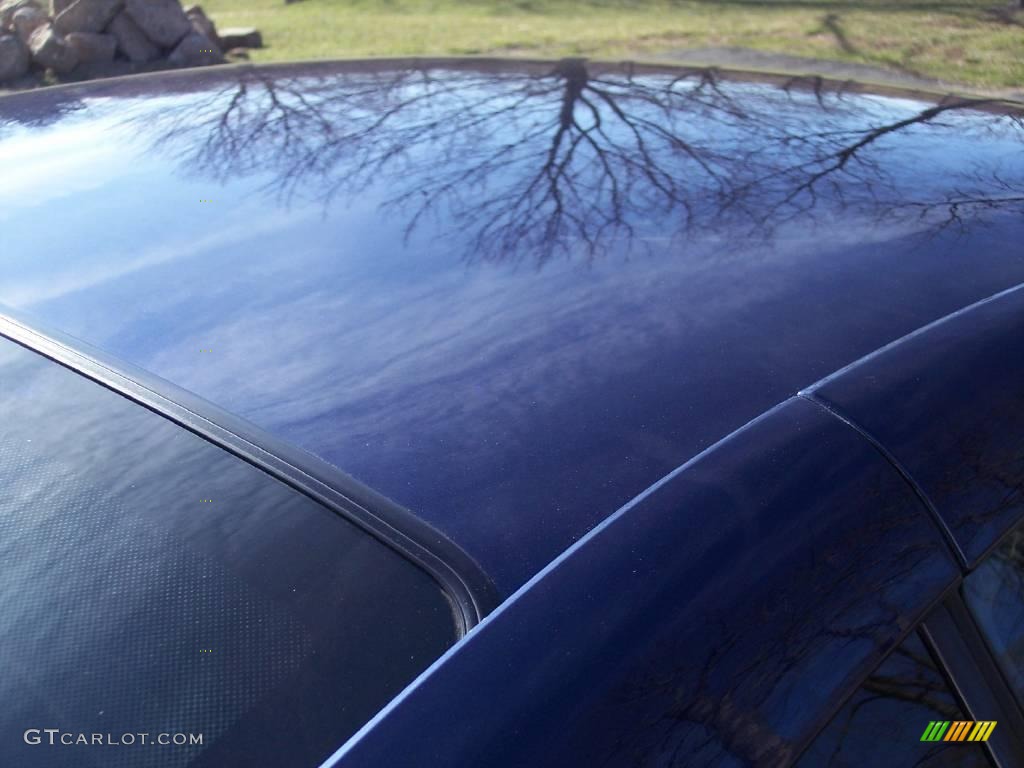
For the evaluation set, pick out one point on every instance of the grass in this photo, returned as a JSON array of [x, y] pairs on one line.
[[974, 42]]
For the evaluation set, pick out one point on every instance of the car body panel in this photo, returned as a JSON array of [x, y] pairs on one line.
[[470, 590], [948, 405], [719, 619], [378, 263]]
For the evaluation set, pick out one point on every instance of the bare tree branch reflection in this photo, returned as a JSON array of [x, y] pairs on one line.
[[48, 108], [993, 593], [577, 160], [731, 698]]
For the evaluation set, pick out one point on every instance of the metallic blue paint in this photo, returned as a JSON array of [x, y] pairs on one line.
[[509, 296], [717, 620], [948, 405]]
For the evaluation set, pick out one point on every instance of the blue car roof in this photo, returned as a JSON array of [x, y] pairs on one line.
[[510, 296]]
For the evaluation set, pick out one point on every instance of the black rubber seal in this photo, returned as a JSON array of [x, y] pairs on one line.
[[470, 590]]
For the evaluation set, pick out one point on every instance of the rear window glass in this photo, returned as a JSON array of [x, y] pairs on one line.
[[155, 590], [995, 595], [904, 714]]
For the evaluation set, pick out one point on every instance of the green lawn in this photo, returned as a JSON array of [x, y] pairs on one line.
[[970, 41]]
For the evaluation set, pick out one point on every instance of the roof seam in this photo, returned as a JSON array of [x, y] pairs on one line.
[[947, 534]]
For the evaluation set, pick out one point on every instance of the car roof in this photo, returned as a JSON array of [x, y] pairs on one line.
[[728, 613], [724, 637], [510, 296]]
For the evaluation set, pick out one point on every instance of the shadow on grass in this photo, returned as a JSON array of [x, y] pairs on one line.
[[981, 10], [1012, 15], [832, 23], [954, 7]]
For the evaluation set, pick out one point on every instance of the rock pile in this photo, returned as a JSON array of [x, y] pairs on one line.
[[95, 38]]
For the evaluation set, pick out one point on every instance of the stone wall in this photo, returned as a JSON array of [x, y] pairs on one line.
[[79, 39]]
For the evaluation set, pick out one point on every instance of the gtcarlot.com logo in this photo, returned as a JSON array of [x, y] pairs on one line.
[[55, 737]]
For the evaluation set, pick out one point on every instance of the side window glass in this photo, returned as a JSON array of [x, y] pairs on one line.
[[994, 593], [892, 717]]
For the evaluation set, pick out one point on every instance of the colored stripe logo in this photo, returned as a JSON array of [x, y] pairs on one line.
[[958, 730]]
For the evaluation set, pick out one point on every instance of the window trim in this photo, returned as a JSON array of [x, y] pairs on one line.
[[960, 654], [467, 586], [964, 660]]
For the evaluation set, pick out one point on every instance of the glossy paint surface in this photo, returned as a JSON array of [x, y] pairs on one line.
[[508, 296], [719, 621], [948, 404]]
